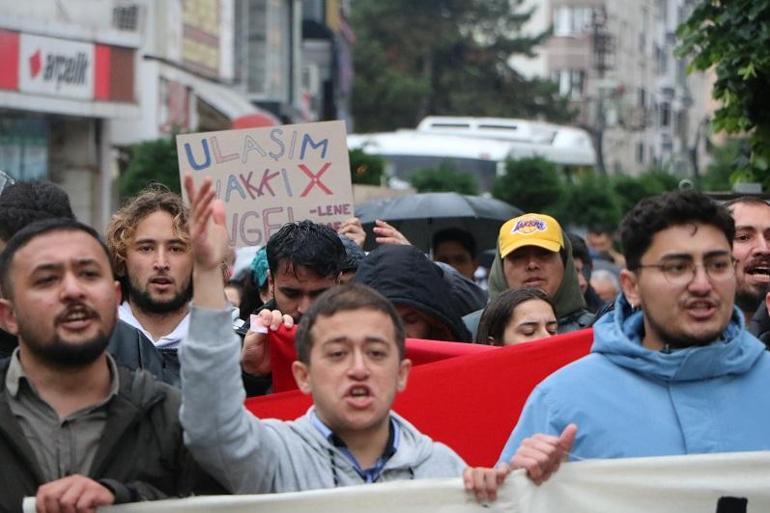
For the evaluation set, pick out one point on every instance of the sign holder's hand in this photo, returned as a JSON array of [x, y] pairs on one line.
[[353, 230], [255, 355], [387, 234]]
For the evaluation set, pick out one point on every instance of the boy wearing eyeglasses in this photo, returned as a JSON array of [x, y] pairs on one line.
[[672, 369]]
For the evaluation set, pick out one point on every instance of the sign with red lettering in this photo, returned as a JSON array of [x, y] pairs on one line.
[[271, 176], [56, 67]]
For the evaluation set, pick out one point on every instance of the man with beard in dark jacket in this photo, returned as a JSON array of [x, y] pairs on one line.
[[76, 430], [416, 286], [23, 203]]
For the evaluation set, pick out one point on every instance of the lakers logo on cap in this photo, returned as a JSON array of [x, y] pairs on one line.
[[528, 226]]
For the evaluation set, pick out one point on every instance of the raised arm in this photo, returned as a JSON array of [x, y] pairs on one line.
[[224, 438]]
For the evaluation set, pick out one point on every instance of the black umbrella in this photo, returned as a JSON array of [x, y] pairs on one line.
[[419, 216]]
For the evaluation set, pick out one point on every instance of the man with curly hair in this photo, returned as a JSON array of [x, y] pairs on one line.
[[149, 241]]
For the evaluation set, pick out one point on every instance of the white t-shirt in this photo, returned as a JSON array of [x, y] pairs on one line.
[[170, 341]]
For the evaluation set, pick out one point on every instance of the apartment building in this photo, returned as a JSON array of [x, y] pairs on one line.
[[615, 61]]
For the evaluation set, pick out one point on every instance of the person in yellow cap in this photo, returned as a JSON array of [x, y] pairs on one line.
[[534, 253]]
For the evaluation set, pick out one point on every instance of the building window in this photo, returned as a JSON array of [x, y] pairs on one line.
[[665, 114], [126, 17], [572, 20], [661, 60], [570, 82], [640, 153], [250, 36], [641, 98], [24, 147]]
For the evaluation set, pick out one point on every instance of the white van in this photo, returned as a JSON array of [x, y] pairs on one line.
[[479, 146]]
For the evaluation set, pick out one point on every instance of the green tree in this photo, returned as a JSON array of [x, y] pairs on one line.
[[150, 162], [445, 178], [727, 165], [444, 57], [590, 201], [629, 190], [366, 169], [532, 184], [733, 37]]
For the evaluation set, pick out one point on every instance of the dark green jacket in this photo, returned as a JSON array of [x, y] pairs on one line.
[[570, 307], [141, 455]]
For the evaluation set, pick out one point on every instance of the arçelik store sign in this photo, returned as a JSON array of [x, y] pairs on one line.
[[64, 68]]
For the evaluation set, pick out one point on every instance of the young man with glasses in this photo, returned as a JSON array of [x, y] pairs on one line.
[[672, 369]]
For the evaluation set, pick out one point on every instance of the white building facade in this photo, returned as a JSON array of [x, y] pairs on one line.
[[84, 78]]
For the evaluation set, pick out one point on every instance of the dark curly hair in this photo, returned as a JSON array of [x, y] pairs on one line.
[[23, 203], [153, 198], [652, 215], [306, 244]]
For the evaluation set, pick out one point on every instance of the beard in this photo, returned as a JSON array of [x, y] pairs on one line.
[[145, 302], [748, 298], [61, 353]]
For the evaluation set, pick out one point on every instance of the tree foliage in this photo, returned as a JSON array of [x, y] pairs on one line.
[[729, 163], [150, 162], [366, 169], [589, 199], [444, 178], [444, 57], [733, 37], [531, 184]]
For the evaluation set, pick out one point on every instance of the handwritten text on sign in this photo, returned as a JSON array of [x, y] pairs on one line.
[[271, 176]]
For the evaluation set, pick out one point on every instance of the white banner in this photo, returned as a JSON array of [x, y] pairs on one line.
[[715, 483]]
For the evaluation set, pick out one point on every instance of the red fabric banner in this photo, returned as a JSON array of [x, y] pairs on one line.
[[469, 402]]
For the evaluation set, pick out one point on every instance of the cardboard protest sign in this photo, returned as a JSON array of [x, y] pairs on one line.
[[271, 176]]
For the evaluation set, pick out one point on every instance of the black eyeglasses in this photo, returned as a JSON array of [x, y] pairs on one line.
[[682, 271]]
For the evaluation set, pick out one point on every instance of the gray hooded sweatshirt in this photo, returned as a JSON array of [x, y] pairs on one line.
[[250, 455]]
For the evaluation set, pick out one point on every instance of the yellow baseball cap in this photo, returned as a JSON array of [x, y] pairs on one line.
[[530, 230]]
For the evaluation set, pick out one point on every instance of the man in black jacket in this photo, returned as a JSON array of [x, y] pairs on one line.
[[23, 203], [76, 430]]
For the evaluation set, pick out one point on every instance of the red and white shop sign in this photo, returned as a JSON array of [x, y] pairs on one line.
[[56, 67]]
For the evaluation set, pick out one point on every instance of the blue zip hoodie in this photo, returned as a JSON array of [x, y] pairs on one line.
[[629, 401]]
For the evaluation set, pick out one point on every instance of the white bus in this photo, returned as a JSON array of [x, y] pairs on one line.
[[479, 146]]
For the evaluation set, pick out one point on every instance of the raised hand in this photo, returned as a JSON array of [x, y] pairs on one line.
[[208, 239], [353, 230], [208, 235], [387, 234]]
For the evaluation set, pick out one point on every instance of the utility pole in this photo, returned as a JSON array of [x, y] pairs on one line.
[[603, 48]]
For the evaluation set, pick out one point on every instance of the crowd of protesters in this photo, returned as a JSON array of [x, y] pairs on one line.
[[127, 358]]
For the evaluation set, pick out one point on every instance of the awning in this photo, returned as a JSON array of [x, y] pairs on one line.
[[226, 100]]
